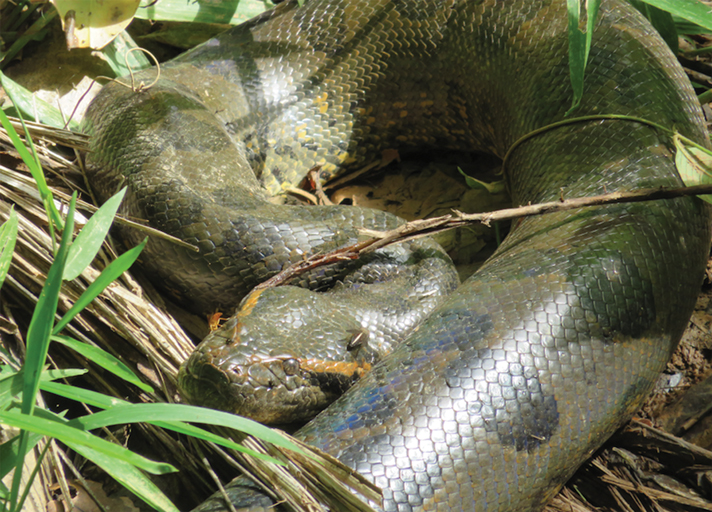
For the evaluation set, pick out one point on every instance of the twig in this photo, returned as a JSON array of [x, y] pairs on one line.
[[313, 176], [419, 228]]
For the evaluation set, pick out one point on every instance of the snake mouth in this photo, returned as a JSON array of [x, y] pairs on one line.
[[274, 390]]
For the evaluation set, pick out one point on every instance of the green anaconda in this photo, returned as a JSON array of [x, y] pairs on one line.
[[522, 372]]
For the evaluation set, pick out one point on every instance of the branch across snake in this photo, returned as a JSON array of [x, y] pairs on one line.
[[502, 388]]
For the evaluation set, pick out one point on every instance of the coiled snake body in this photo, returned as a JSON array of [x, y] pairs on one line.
[[495, 399]]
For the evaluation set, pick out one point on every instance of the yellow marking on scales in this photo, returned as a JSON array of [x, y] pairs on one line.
[[321, 102], [249, 303], [301, 130]]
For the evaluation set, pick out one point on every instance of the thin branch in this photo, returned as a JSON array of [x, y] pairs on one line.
[[419, 228]]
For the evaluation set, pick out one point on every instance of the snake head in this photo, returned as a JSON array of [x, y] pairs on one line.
[[232, 372]]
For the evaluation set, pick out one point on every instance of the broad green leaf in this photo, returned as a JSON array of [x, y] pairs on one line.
[[107, 276], [120, 58], [102, 358], [89, 240], [495, 187], [579, 45], [691, 10], [8, 235], [45, 423], [232, 12], [693, 162], [661, 20]]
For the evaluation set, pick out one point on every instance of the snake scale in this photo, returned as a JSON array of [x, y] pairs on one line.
[[495, 399]]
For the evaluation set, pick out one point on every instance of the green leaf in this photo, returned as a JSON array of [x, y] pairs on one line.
[[150, 413], [33, 107], [106, 402], [661, 21], [102, 358], [8, 235], [128, 476], [89, 240], [9, 452], [35, 33], [579, 45], [38, 338], [689, 28], [118, 55], [693, 162], [31, 161], [83, 395], [201, 12], [108, 276], [691, 10], [47, 424], [495, 187], [40, 329], [11, 383]]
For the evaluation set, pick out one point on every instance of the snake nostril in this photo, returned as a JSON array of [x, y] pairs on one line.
[[290, 366], [236, 370]]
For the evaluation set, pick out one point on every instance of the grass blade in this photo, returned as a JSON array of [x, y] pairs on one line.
[[579, 45], [47, 424], [31, 161], [12, 382], [8, 236], [106, 402], [40, 329], [38, 338], [88, 242], [108, 276], [151, 413], [128, 476], [10, 453], [102, 358]]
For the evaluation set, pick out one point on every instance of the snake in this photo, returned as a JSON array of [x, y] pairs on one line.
[[508, 383]]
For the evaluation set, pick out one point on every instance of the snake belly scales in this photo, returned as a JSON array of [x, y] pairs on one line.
[[516, 377]]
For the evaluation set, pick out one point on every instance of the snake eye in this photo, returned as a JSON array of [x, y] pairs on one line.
[[290, 366], [359, 338]]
